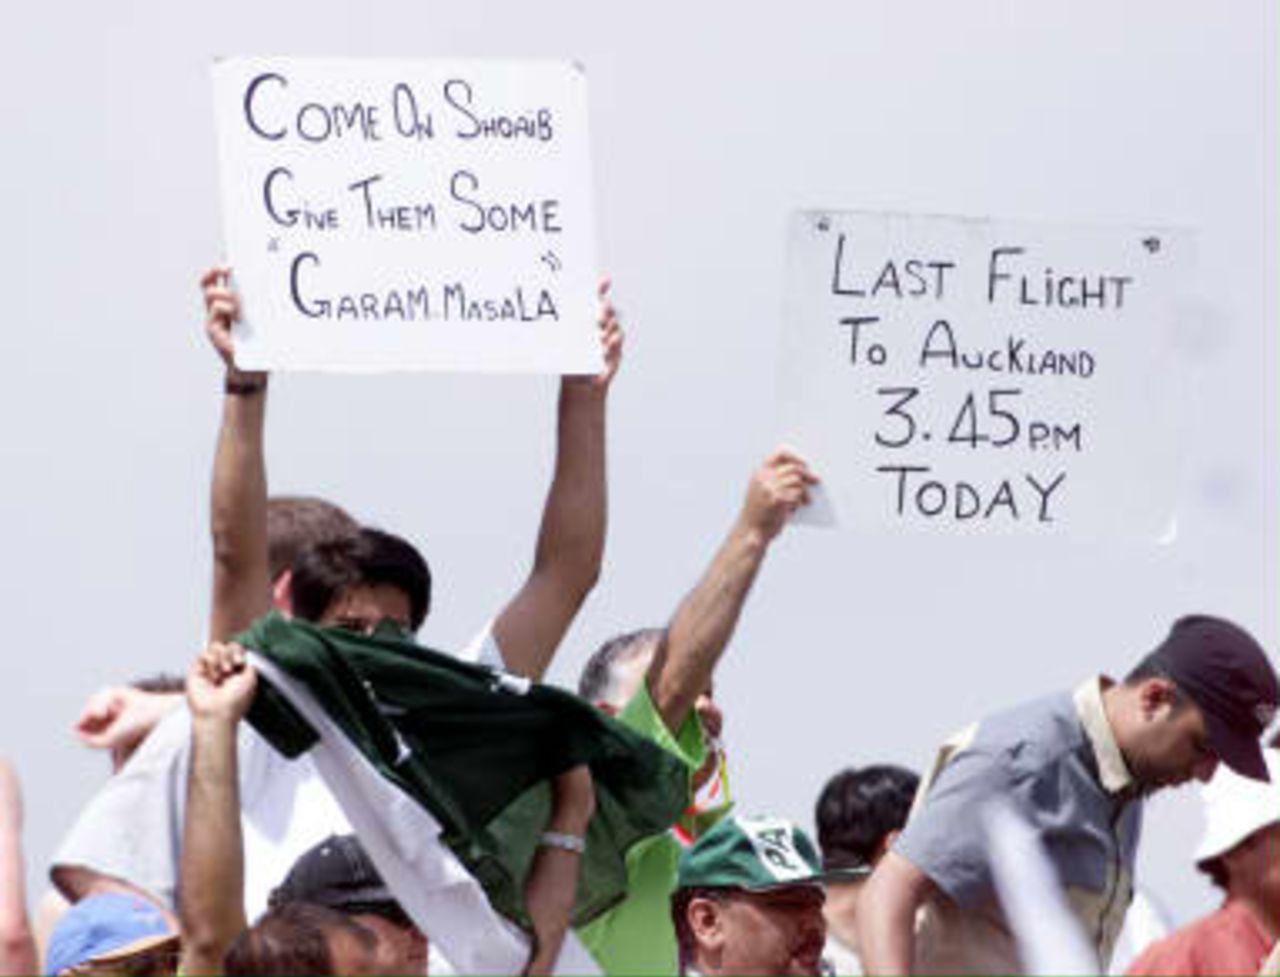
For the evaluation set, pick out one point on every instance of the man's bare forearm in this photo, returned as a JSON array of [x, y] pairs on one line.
[[570, 545], [571, 537], [887, 917], [17, 943], [238, 517], [549, 895], [886, 940], [703, 625], [211, 896], [682, 666], [552, 884]]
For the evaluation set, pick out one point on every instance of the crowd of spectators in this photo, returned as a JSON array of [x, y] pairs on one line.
[[324, 794]]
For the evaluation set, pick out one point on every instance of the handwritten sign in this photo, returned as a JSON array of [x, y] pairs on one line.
[[979, 376], [386, 215]]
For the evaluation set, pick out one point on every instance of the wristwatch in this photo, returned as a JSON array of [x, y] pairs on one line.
[[563, 841]]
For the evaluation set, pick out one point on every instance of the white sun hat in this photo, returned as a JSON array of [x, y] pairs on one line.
[[1235, 807]]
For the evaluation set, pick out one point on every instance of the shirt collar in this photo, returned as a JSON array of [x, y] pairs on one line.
[[1097, 729]]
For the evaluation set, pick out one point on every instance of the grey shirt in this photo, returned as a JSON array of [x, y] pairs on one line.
[[1055, 760]]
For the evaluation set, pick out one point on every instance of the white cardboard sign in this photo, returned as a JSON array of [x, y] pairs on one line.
[[398, 215], [949, 374]]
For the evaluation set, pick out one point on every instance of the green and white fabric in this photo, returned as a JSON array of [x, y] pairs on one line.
[[636, 936], [751, 853], [417, 746]]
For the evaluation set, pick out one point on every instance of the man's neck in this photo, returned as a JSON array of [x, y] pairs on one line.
[[1114, 696], [841, 911], [1268, 917]]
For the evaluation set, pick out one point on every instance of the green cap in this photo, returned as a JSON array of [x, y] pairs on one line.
[[750, 853]]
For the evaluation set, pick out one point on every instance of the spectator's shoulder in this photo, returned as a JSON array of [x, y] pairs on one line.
[[1176, 953], [166, 745], [642, 716], [1031, 739]]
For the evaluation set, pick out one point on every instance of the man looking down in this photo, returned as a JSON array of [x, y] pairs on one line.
[[1077, 767]]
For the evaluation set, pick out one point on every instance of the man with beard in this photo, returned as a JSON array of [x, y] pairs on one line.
[[1076, 766]]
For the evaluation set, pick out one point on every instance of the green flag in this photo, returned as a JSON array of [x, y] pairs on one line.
[[475, 748]]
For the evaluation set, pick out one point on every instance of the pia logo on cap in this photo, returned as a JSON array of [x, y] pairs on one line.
[[1265, 712], [775, 847]]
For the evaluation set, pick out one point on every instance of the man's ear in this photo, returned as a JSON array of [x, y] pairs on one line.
[[705, 924], [282, 593], [1156, 694]]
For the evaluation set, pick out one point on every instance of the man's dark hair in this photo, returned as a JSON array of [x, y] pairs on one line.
[[295, 522], [596, 681], [370, 557], [155, 961], [857, 808], [1149, 668], [292, 939], [1145, 669], [163, 683]]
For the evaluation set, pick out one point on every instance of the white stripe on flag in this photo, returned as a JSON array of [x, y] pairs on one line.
[[402, 838]]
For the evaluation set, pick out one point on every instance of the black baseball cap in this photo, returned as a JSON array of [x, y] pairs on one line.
[[1224, 671], [337, 873]]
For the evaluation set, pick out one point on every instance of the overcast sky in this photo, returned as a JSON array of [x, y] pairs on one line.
[[708, 127]]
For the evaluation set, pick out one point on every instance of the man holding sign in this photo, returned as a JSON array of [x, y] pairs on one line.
[[570, 545], [658, 683], [521, 639]]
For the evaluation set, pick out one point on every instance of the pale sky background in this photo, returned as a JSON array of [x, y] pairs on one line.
[[709, 125]]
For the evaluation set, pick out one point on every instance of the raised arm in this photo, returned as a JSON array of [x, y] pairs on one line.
[[118, 718], [220, 688], [570, 547], [552, 884], [238, 499], [17, 945], [682, 666], [887, 915]]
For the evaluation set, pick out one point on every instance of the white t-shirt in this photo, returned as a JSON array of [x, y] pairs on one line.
[[132, 828], [839, 959]]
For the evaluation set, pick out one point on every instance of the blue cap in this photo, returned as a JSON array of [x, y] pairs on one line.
[[106, 925]]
